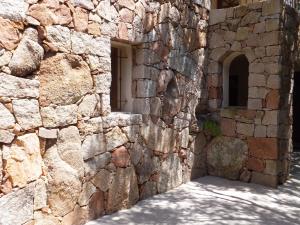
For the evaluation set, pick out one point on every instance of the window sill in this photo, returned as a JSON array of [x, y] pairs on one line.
[[122, 119]]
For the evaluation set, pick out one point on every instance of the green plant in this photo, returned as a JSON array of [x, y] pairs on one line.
[[212, 128]]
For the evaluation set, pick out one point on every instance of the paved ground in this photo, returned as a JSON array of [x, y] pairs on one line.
[[211, 200]]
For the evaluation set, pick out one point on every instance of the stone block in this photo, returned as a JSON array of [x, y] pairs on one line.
[[15, 87], [120, 157], [271, 7], [146, 89], [64, 79], [242, 33], [59, 116], [271, 167], [245, 129], [27, 113], [48, 133], [115, 138], [270, 118], [103, 83], [263, 148], [228, 127], [217, 16], [7, 119], [255, 164], [93, 145], [226, 157], [260, 131], [264, 179]]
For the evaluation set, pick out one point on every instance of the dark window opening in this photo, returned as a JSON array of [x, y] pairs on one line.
[[227, 3], [238, 81], [296, 112], [115, 83], [121, 70]]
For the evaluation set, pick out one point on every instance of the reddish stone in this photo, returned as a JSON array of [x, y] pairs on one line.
[[213, 81], [148, 22], [263, 148], [255, 164], [126, 15], [123, 31], [96, 205], [81, 19], [9, 34], [42, 13], [272, 99], [249, 114], [214, 93], [228, 127], [120, 157]]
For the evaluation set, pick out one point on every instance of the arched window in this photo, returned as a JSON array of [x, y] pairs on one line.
[[235, 81]]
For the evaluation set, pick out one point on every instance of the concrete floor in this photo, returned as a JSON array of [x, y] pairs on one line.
[[211, 200]]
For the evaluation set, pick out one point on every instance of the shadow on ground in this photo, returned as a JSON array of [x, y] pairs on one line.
[[211, 200]]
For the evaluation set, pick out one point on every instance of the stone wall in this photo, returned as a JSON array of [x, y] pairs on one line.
[[265, 32], [65, 158]]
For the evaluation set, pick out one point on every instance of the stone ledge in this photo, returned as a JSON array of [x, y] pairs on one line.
[[122, 119]]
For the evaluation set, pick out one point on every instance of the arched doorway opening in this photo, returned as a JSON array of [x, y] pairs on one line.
[[235, 81]]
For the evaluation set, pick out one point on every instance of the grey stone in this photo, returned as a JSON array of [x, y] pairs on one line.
[[103, 83], [121, 119], [6, 137], [48, 133], [115, 138], [89, 106], [26, 58], [226, 157], [86, 4], [170, 174], [7, 120], [94, 165], [90, 126], [88, 190], [17, 206], [59, 37], [27, 113], [40, 195], [59, 116], [103, 180], [64, 186], [14, 10], [69, 148], [124, 191], [5, 58], [93, 145], [11, 86]]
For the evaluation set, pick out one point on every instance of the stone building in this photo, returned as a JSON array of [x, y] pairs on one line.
[[107, 102]]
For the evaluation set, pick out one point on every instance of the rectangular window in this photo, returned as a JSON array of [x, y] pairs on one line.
[[121, 70]]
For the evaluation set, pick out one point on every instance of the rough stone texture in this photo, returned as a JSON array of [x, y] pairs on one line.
[[124, 190], [120, 157], [6, 136], [69, 148], [64, 186], [7, 120], [59, 116], [74, 79], [20, 201], [115, 138], [9, 34], [14, 10], [23, 160], [27, 113], [226, 157], [11, 86], [93, 145], [170, 175], [103, 180], [26, 57]]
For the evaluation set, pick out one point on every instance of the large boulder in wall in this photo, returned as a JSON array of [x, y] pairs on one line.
[[226, 157]]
